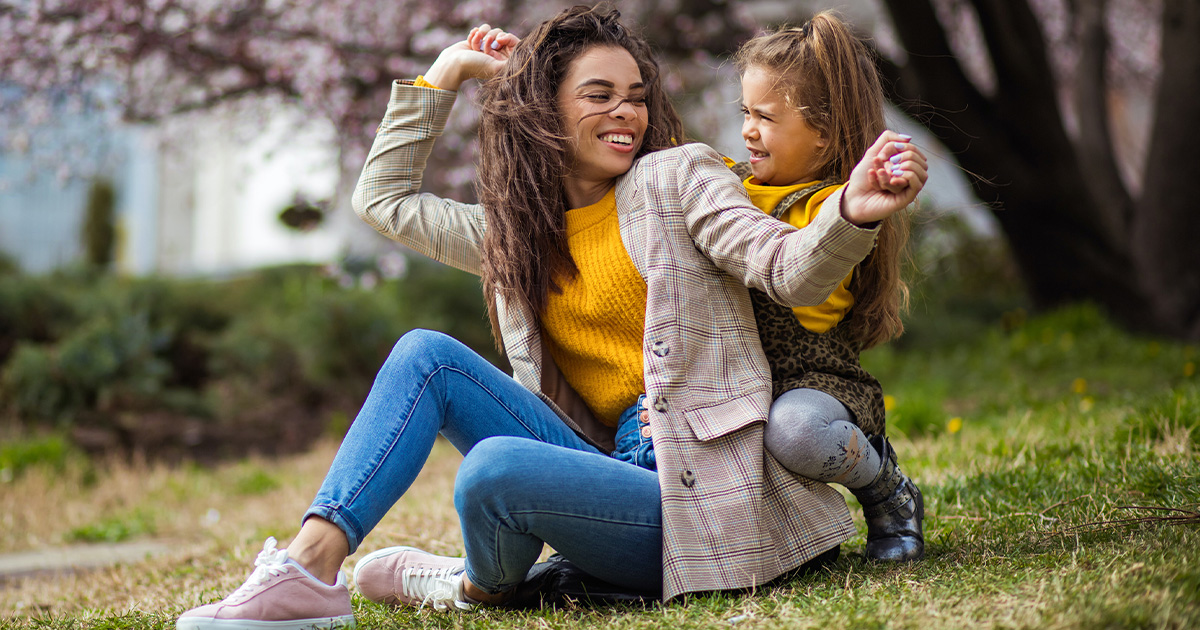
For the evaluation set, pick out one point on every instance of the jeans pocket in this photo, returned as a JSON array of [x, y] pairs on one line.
[[633, 443]]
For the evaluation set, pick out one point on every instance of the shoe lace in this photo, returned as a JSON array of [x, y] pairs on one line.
[[439, 588], [270, 562]]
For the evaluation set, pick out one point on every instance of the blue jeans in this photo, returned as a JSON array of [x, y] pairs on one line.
[[526, 479], [633, 441]]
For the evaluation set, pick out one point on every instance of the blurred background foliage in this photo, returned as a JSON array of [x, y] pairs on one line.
[[269, 361], [262, 362]]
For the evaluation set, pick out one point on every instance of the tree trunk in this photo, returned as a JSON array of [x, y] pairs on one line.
[[1016, 147], [1168, 219]]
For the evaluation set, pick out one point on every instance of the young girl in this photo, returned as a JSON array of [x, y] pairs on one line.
[[812, 104]]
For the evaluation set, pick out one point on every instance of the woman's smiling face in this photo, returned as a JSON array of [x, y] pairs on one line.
[[603, 107]]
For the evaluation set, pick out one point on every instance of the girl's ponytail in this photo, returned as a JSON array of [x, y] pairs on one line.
[[828, 75]]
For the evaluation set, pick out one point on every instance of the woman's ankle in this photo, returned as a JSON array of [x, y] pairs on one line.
[[479, 595], [320, 548]]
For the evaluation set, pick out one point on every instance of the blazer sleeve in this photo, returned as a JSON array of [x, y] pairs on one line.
[[387, 196], [794, 267]]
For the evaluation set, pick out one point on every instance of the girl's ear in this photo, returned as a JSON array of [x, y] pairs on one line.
[[822, 141]]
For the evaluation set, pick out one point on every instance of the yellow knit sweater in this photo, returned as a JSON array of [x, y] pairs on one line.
[[595, 326], [826, 315]]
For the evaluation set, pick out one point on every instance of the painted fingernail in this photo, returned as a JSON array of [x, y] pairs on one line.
[[899, 145], [895, 159], [495, 45], [899, 172], [905, 137], [481, 46]]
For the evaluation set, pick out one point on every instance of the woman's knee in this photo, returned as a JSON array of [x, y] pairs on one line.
[[420, 342], [488, 471], [423, 351]]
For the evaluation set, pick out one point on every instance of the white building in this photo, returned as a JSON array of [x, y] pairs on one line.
[[203, 198]]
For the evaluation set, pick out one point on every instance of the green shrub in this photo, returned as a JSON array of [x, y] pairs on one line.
[[115, 528], [99, 235], [32, 309], [8, 265], [18, 455], [168, 365], [106, 361]]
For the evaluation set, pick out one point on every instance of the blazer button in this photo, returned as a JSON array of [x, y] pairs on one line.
[[688, 478], [660, 348], [646, 431], [660, 404], [644, 417]]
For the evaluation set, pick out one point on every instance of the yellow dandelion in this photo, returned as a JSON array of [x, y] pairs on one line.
[[954, 425], [1189, 369], [889, 402], [1066, 341], [1086, 404], [1079, 386]]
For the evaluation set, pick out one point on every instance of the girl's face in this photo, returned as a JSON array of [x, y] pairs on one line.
[[783, 147], [603, 105]]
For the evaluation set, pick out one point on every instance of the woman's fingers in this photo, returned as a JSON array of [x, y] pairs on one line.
[[491, 41]]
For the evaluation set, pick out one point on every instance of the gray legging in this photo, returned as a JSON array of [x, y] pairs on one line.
[[811, 434]]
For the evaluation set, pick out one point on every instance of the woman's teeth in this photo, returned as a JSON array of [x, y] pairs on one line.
[[617, 138]]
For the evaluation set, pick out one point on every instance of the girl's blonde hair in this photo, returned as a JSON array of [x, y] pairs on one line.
[[828, 76]]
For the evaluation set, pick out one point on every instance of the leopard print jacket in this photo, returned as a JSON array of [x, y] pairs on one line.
[[799, 357]]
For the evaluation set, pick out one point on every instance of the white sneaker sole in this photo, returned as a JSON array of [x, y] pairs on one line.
[[345, 622]]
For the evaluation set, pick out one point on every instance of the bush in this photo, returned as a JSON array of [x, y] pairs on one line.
[[8, 265], [99, 234], [18, 455], [108, 361], [258, 362], [33, 310]]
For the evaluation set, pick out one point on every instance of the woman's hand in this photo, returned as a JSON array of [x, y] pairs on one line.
[[886, 180], [480, 56]]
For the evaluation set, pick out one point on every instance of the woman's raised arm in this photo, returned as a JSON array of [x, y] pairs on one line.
[[387, 196]]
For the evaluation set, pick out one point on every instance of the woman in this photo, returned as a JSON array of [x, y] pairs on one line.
[[650, 306]]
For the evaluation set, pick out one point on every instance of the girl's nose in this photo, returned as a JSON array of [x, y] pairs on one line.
[[748, 130]]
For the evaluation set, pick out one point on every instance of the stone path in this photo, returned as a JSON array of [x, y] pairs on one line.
[[76, 557]]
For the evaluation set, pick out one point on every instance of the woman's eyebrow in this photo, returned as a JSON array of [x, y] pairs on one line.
[[607, 84]]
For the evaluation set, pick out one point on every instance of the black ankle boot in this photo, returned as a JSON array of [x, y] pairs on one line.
[[894, 510]]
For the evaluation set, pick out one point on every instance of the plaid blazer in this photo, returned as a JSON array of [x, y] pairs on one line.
[[733, 517]]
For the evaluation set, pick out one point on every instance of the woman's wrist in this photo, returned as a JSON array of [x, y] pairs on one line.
[[446, 72]]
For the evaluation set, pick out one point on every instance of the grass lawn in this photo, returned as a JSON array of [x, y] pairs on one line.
[[1059, 457]]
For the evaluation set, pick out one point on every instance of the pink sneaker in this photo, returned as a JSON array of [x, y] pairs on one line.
[[279, 595], [404, 576]]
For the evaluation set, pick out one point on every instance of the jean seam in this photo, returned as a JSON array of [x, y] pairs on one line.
[[597, 519]]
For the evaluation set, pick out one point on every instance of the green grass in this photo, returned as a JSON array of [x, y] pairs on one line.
[[1066, 495]]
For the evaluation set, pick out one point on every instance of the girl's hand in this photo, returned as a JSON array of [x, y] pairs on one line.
[[480, 56], [886, 180]]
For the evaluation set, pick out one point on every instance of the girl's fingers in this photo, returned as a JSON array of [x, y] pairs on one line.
[[909, 181], [893, 181], [907, 158]]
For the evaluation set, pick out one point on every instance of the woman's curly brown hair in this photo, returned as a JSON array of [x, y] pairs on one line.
[[524, 154]]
